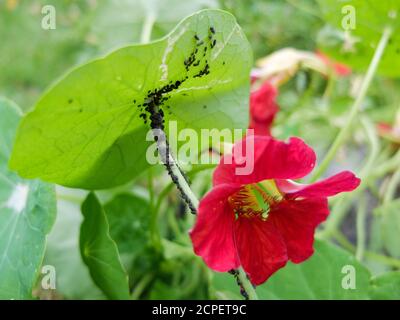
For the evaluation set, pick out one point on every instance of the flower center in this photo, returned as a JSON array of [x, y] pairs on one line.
[[255, 200]]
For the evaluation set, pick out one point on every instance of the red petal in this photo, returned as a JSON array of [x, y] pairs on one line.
[[296, 221], [271, 159], [341, 182], [261, 248], [212, 235], [263, 109]]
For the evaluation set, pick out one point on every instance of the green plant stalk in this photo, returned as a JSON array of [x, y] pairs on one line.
[[70, 198], [168, 188], [375, 147], [246, 284], [340, 209], [342, 240], [145, 37], [390, 165], [392, 187], [343, 203], [191, 284], [341, 137], [383, 259], [181, 181], [185, 188], [148, 24], [329, 87], [154, 231], [141, 286], [173, 224], [361, 228], [190, 198], [163, 194]]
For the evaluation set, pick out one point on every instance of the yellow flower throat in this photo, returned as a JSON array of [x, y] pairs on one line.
[[255, 200]]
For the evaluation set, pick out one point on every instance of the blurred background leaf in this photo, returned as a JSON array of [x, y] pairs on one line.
[[355, 46], [27, 213]]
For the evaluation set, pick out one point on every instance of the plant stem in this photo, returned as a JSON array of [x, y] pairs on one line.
[[70, 198], [173, 224], [154, 231], [148, 24], [342, 240], [392, 187], [383, 259], [162, 195], [340, 138], [340, 209], [191, 200], [185, 186], [246, 284], [141, 286], [329, 87], [177, 176], [361, 226], [391, 164], [150, 186]]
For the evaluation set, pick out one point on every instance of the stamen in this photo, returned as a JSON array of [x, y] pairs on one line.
[[255, 200], [270, 188]]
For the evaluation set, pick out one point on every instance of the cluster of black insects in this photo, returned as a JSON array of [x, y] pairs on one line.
[[194, 60], [243, 292], [151, 109]]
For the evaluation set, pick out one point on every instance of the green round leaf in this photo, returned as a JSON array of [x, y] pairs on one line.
[[87, 130]]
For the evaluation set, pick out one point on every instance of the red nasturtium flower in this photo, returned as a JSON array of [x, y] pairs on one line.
[[261, 220], [263, 109]]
